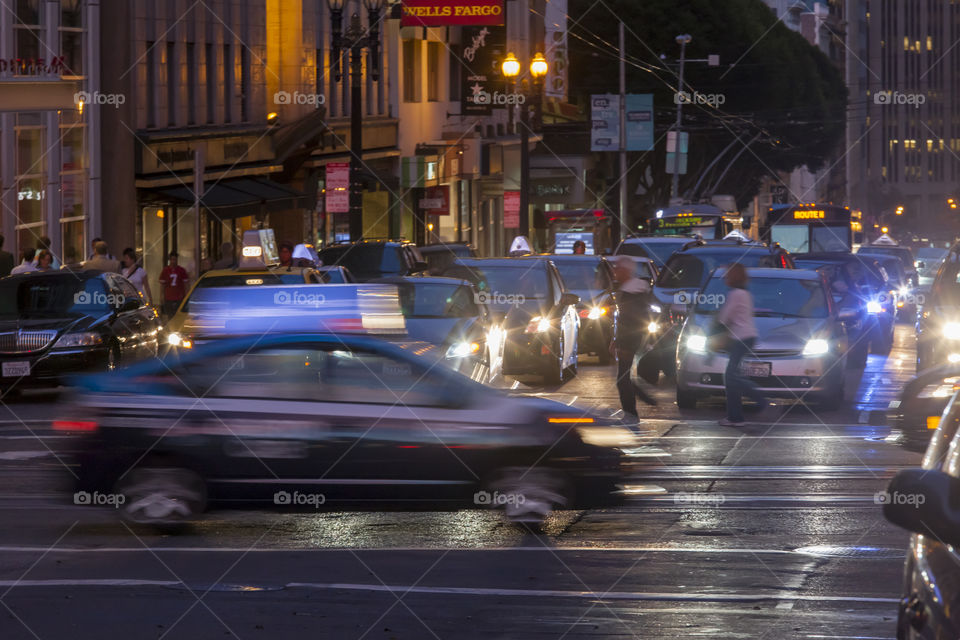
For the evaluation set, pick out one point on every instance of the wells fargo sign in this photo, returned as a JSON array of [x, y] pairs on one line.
[[442, 13]]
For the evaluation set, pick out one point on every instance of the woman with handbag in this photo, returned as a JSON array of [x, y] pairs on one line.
[[736, 318]]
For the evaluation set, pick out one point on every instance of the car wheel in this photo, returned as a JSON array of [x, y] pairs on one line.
[[528, 495], [162, 496], [686, 399]]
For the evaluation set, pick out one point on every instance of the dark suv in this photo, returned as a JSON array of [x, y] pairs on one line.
[[370, 259], [657, 248]]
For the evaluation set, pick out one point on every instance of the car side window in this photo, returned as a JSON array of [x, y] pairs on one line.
[[556, 289], [338, 375]]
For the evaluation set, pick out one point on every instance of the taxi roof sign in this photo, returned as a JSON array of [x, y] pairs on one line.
[[885, 240]]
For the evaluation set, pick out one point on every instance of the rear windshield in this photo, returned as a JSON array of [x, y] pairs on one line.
[[660, 252], [690, 270], [366, 261], [437, 301], [505, 287], [584, 275], [772, 297]]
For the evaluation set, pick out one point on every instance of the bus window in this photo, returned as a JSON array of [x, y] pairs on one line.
[[793, 238]]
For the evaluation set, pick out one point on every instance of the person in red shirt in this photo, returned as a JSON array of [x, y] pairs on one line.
[[174, 280]]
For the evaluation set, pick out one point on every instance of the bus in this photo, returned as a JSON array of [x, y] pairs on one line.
[[809, 227], [705, 220], [592, 226]]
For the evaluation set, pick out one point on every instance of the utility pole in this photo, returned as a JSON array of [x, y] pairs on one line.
[[622, 218], [682, 40]]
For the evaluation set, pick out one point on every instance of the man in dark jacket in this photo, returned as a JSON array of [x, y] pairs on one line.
[[6, 261], [633, 300]]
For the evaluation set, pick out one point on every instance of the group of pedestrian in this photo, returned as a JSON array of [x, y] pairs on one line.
[[734, 332]]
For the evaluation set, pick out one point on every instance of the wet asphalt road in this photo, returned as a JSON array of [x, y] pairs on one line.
[[767, 531]]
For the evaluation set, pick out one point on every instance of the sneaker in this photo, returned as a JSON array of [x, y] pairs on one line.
[[730, 423]]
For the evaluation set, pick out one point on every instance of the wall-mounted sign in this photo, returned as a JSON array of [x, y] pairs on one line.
[[436, 201], [555, 39], [605, 115], [443, 13], [639, 122], [338, 187], [481, 51], [511, 209], [33, 66]]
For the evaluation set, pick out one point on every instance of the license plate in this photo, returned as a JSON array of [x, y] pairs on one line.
[[16, 369], [755, 369]]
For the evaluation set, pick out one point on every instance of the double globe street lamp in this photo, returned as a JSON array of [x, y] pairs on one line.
[[355, 39], [538, 71]]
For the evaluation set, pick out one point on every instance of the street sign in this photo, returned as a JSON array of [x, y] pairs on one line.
[[480, 77], [555, 40], [672, 165], [511, 209], [338, 187], [639, 122], [605, 116]]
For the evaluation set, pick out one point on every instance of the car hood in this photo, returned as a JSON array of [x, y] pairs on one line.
[[71, 323], [779, 334], [439, 330]]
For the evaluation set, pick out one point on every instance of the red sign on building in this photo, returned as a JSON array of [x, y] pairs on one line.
[[436, 201], [443, 13], [338, 187], [511, 209]]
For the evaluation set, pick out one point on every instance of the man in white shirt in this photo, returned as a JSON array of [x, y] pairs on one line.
[[28, 264]]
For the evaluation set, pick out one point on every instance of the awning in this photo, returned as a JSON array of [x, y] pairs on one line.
[[237, 198]]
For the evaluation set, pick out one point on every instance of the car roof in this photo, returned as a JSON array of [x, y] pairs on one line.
[[573, 257], [423, 280], [248, 272], [782, 274], [827, 256], [724, 247], [655, 239], [499, 262], [343, 245]]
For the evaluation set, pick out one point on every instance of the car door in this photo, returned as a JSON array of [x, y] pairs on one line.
[[567, 313], [126, 322]]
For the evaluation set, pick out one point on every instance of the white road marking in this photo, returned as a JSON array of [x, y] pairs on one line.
[[24, 455]]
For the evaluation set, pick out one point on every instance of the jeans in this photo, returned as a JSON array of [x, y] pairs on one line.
[[629, 391], [736, 383]]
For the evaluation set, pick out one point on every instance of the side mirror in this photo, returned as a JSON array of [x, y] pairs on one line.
[[847, 314], [130, 304], [569, 299], [921, 501]]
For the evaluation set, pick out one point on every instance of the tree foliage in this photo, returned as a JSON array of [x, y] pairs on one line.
[[771, 82]]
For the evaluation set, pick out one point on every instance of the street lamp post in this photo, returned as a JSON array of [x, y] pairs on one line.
[[538, 70], [355, 40], [683, 40]]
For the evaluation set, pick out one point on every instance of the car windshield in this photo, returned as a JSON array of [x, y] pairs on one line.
[[946, 287], [861, 272], [928, 254], [903, 253], [41, 296], [659, 252], [506, 287], [365, 261], [689, 270], [584, 275], [437, 300], [772, 297]]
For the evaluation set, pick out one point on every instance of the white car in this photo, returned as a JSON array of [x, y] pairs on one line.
[[799, 353]]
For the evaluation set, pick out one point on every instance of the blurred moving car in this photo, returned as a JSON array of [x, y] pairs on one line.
[[923, 501], [798, 354], [369, 259], [441, 255], [682, 277], [445, 311], [56, 323], [307, 420], [537, 311], [901, 252], [858, 281], [938, 325], [928, 261], [916, 414], [657, 248], [903, 293], [591, 278]]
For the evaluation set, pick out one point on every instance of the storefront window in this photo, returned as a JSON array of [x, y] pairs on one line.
[[26, 26], [73, 240], [30, 151]]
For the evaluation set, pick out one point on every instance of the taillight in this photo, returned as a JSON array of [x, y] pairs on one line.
[[75, 426]]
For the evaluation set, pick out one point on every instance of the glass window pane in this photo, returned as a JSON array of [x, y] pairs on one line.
[[28, 11], [29, 238], [71, 48], [72, 155], [28, 44], [30, 196], [73, 241], [30, 151], [71, 14], [71, 194]]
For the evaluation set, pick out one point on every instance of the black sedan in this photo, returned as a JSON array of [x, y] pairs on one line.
[[56, 323], [330, 421], [591, 278], [538, 313], [445, 312], [918, 411]]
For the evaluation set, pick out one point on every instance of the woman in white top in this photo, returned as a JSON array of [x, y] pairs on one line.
[[136, 274], [736, 317]]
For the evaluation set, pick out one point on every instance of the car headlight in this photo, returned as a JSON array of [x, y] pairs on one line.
[[656, 308], [951, 331], [79, 339], [874, 307], [463, 349], [596, 312], [538, 324], [174, 339], [904, 291], [653, 327], [816, 347], [697, 343]]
